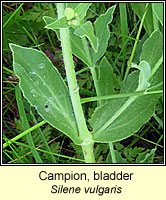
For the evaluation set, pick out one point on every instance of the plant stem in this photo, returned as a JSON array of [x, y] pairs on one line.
[[84, 134], [23, 133], [112, 152], [123, 95]]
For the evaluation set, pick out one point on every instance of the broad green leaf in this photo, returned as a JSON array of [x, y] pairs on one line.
[[139, 9], [102, 33], [80, 48], [86, 30], [145, 70], [152, 49], [121, 118], [152, 52], [44, 88], [56, 24], [105, 80], [158, 10]]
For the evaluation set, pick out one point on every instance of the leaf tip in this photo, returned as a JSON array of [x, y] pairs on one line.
[[12, 46]]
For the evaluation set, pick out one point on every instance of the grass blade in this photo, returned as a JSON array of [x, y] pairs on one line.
[[43, 139], [25, 124], [10, 18]]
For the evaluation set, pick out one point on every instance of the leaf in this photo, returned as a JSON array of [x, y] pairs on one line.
[[119, 158], [105, 80], [102, 33], [152, 52], [44, 88], [158, 10], [152, 49], [86, 30], [131, 153], [49, 20], [80, 48], [145, 157], [57, 24], [121, 118], [139, 9]]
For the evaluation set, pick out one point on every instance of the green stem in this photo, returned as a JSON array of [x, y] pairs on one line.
[[122, 95], [23, 134], [84, 134], [112, 152]]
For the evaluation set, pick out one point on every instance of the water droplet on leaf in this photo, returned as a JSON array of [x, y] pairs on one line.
[[66, 115], [32, 91], [37, 83], [41, 65]]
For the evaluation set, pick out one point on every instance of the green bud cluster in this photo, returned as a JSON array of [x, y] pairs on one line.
[[72, 17]]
